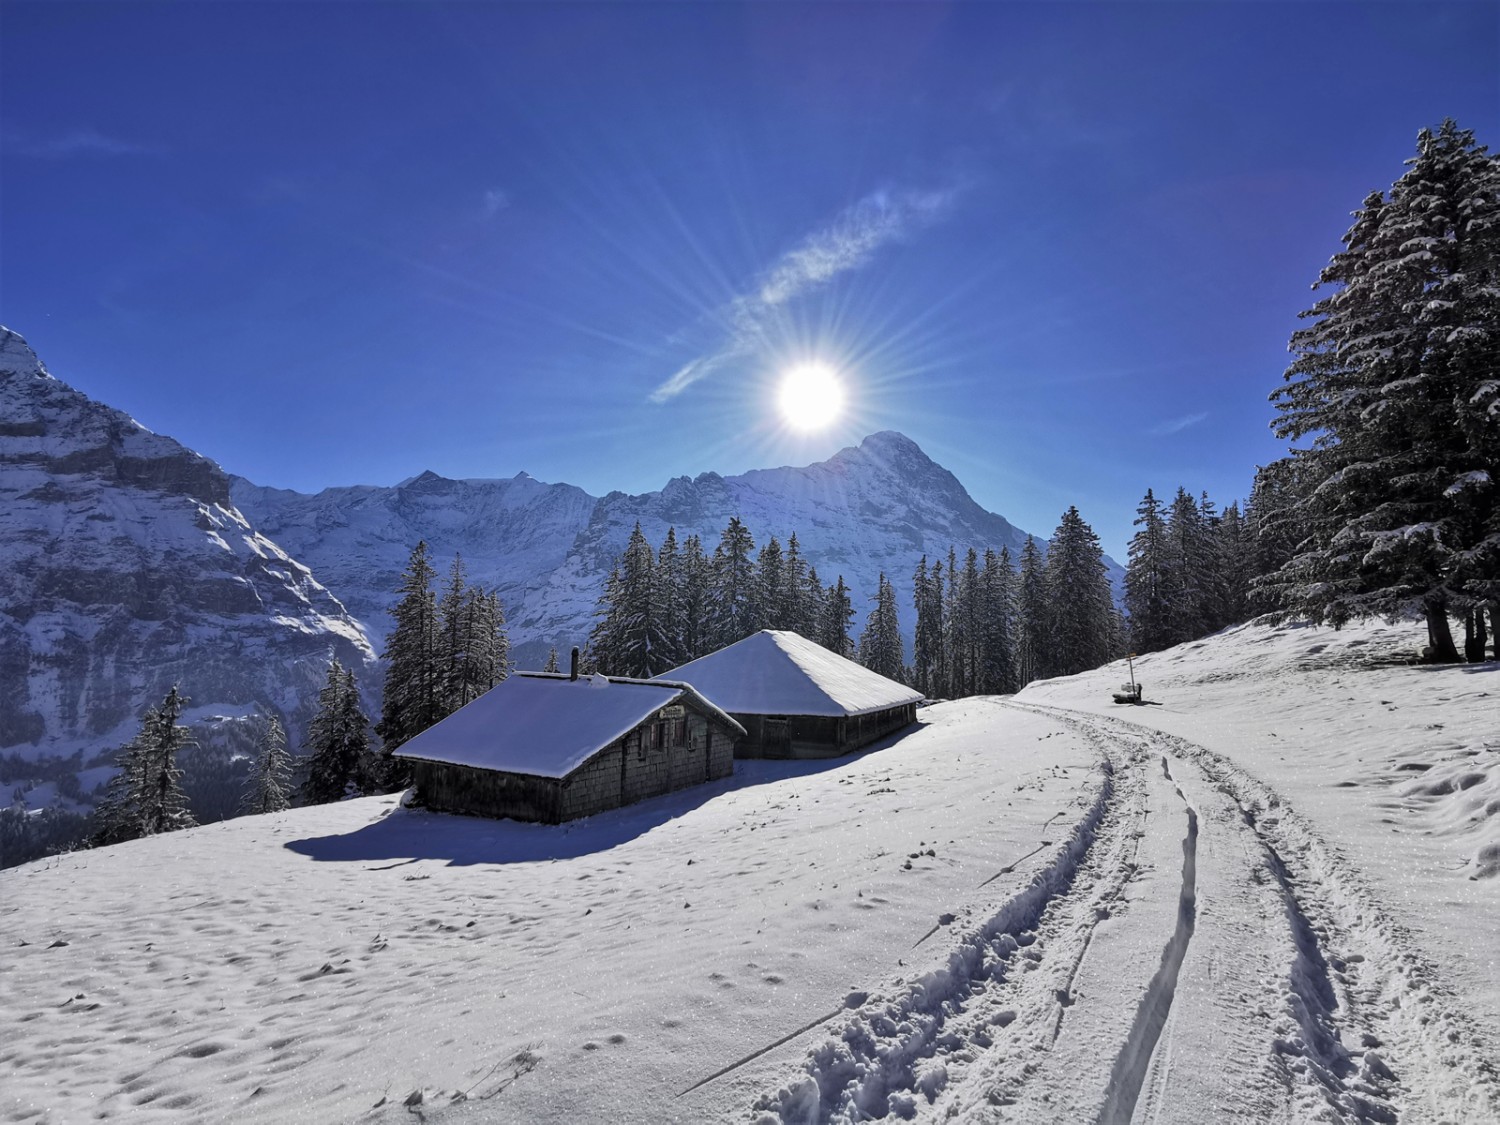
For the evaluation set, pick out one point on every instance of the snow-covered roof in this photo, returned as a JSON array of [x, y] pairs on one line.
[[776, 672], [546, 724]]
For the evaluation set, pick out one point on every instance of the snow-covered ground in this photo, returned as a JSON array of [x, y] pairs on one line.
[[1244, 903]]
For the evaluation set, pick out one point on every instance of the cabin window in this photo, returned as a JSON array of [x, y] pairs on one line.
[[667, 733]]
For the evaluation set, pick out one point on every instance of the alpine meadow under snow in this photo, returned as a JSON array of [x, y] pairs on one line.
[[1269, 895]]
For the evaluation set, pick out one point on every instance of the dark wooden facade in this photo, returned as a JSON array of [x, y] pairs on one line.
[[817, 736], [679, 746]]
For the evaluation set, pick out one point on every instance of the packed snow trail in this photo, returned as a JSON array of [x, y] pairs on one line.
[[1193, 953]]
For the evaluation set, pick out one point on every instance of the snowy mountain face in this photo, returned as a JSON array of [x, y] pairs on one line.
[[512, 534], [125, 568], [878, 507]]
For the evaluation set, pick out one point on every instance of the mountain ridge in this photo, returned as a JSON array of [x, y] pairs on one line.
[[876, 507]]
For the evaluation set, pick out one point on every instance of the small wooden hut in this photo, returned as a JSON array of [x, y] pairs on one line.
[[552, 747], [796, 699]]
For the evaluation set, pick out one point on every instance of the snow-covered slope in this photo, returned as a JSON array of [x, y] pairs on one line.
[[879, 506], [1040, 909], [126, 568]]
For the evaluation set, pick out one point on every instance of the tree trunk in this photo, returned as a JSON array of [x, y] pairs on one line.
[[1474, 636], [1495, 627], [1440, 647]]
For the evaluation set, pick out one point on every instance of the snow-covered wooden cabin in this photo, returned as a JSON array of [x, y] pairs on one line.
[[548, 747], [796, 699]]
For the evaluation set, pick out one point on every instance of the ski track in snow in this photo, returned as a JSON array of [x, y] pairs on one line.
[[1262, 982]]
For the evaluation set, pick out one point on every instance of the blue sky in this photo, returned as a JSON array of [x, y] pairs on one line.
[[1060, 245]]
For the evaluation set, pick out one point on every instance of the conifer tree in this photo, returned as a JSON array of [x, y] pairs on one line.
[[643, 648], [496, 664], [146, 798], [455, 639], [1236, 559], [954, 640], [695, 585], [927, 638], [413, 678], [1034, 644], [669, 608], [1148, 583], [838, 612], [1080, 605], [941, 679], [732, 604], [1393, 381], [796, 607], [813, 598], [1189, 560], [880, 646], [606, 641], [268, 789], [339, 762], [1213, 583], [474, 651], [770, 579], [997, 662], [970, 636], [551, 665]]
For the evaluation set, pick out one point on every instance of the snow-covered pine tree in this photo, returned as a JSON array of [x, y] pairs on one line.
[[606, 642], [551, 665], [495, 650], [412, 701], [880, 645], [838, 613], [669, 608], [927, 637], [644, 649], [456, 642], [1034, 642], [1213, 583], [1189, 558], [796, 607], [1393, 381], [1080, 607], [941, 679], [971, 636], [268, 788], [1236, 560], [997, 662], [371, 774], [813, 598], [732, 609], [695, 587], [1274, 519], [770, 581], [1147, 583], [147, 798], [954, 640], [339, 763]]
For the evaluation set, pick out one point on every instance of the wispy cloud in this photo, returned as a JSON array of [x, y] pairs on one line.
[[854, 236], [494, 202], [75, 143], [1176, 425]]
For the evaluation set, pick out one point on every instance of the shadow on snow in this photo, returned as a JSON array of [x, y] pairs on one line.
[[409, 835]]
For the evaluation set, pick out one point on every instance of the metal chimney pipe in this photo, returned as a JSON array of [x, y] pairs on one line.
[[573, 674]]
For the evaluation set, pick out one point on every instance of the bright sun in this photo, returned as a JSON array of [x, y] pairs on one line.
[[810, 396]]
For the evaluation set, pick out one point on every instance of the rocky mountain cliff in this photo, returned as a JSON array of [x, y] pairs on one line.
[[125, 568]]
